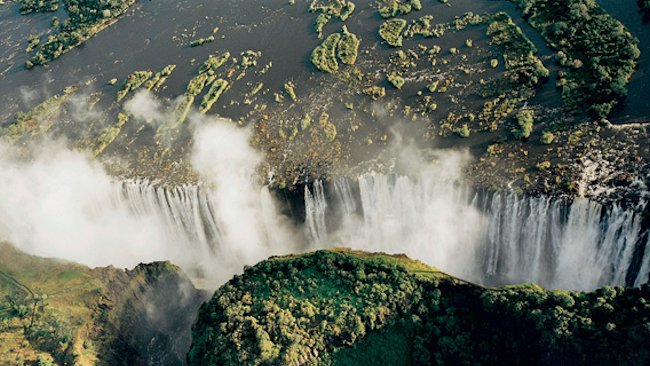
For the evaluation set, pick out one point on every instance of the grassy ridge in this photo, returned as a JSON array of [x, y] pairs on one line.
[[353, 308], [58, 312]]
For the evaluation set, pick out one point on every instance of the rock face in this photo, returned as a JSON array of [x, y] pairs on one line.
[[61, 312], [355, 308]]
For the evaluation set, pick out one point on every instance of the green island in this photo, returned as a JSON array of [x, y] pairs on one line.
[[392, 8], [217, 88], [342, 307], [38, 6], [201, 41], [348, 47], [132, 82], [39, 120], [156, 82], [328, 9], [109, 134], [324, 55], [598, 60], [391, 31], [84, 20]]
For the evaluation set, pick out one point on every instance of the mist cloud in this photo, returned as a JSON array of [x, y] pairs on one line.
[[56, 202]]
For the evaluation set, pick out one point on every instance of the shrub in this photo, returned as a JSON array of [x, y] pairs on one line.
[[324, 55], [525, 119], [396, 80], [391, 31], [348, 47], [547, 138]]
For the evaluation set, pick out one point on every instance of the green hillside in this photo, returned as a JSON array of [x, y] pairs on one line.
[[352, 308], [58, 312]]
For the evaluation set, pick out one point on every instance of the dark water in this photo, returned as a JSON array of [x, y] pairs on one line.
[[636, 106], [153, 34]]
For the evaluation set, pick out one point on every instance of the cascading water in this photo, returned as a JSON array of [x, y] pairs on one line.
[[494, 238], [315, 208], [488, 238], [199, 230]]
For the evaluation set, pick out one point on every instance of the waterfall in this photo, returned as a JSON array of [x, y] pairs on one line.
[[315, 208], [187, 212], [490, 238], [207, 239], [495, 238]]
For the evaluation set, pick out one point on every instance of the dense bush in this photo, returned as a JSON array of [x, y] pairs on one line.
[[324, 55], [345, 45], [525, 119], [85, 19], [396, 80], [348, 47], [598, 52], [217, 88], [348, 308], [523, 67], [391, 8], [38, 6], [391, 31], [327, 9], [132, 82]]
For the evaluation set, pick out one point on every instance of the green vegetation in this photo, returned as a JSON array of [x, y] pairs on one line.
[[355, 308], [249, 58], [375, 92], [110, 134], [426, 28], [321, 21], [348, 47], [345, 45], [547, 138], [54, 312], [396, 80], [392, 8], [201, 41], [525, 119], [84, 20], [217, 88], [324, 55], [598, 53], [132, 82], [38, 6], [391, 31], [463, 131], [523, 67], [213, 62], [206, 77], [305, 122], [38, 120], [159, 79], [544, 165], [290, 89], [341, 9], [329, 129], [645, 5]]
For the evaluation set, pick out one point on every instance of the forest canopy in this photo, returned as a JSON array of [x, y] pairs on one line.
[[346, 308]]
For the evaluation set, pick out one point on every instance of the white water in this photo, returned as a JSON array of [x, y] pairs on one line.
[[499, 238], [507, 238]]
